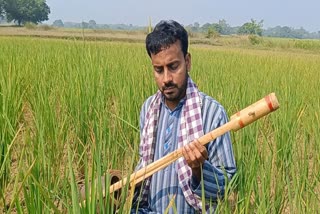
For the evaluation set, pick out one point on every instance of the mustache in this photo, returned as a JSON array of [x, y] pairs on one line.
[[168, 85]]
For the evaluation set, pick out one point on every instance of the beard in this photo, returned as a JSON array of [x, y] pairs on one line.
[[172, 92]]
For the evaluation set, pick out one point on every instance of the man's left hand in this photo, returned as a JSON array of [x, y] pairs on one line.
[[195, 155]]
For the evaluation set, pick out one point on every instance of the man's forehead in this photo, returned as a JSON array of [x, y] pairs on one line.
[[167, 56], [175, 47]]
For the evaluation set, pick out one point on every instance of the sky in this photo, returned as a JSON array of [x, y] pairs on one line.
[[292, 13]]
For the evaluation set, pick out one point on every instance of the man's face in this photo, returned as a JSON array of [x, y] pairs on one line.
[[171, 73]]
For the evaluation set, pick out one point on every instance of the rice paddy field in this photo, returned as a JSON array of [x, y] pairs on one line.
[[69, 111]]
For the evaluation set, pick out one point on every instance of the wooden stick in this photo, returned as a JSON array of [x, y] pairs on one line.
[[239, 120]]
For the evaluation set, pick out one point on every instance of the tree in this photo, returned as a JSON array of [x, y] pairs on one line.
[[196, 25], [216, 27], [225, 27], [288, 32], [92, 24], [251, 28], [84, 25], [22, 11], [58, 23], [1, 8], [212, 33], [205, 27]]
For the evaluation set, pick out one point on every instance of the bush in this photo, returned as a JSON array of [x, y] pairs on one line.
[[254, 39], [212, 33]]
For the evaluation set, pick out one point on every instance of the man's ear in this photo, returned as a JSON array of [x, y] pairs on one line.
[[188, 61]]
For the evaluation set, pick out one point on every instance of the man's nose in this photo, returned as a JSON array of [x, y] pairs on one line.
[[167, 76]]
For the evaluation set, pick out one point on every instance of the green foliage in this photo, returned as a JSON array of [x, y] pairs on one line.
[[84, 24], [254, 39], [222, 27], [70, 103], [251, 28], [212, 33], [1, 8], [225, 27], [216, 27], [58, 23], [92, 24], [195, 27], [22, 11], [289, 32]]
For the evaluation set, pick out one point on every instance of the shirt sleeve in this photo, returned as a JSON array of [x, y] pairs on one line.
[[141, 125], [220, 166], [137, 190]]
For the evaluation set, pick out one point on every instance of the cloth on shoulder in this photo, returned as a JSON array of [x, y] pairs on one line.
[[190, 129]]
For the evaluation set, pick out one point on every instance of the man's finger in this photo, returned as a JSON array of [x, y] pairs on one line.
[[195, 157], [202, 149], [190, 152], [195, 151], [190, 157], [187, 153]]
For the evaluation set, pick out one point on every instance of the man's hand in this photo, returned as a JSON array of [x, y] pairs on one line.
[[195, 155]]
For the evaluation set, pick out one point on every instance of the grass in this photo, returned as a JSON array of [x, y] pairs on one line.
[[70, 109]]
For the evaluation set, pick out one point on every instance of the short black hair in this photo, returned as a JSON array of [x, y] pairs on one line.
[[166, 33]]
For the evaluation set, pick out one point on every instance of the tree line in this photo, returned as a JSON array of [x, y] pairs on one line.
[[253, 27], [36, 11]]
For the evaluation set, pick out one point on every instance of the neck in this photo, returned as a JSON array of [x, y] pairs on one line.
[[172, 104]]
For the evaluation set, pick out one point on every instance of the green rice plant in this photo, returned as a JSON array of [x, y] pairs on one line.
[[11, 95], [69, 111]]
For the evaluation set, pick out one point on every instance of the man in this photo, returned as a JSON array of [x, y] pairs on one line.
[[175, 117]]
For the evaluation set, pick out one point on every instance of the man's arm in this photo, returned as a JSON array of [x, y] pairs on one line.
[[137, 190], [219, 166], [215, 177]]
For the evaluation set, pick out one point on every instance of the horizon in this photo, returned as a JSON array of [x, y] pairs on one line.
[[236, 13]]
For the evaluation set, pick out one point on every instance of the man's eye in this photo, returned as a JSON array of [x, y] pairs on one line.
[[173, 67], [158, 70]]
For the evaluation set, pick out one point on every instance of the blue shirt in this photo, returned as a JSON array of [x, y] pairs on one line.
[[219, 166]]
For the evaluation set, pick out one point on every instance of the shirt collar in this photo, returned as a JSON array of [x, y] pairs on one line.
[[177, 108]]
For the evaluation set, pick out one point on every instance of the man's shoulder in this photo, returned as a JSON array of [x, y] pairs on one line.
[[208, 100], [211, 107], [212, 112], [147, 101]]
